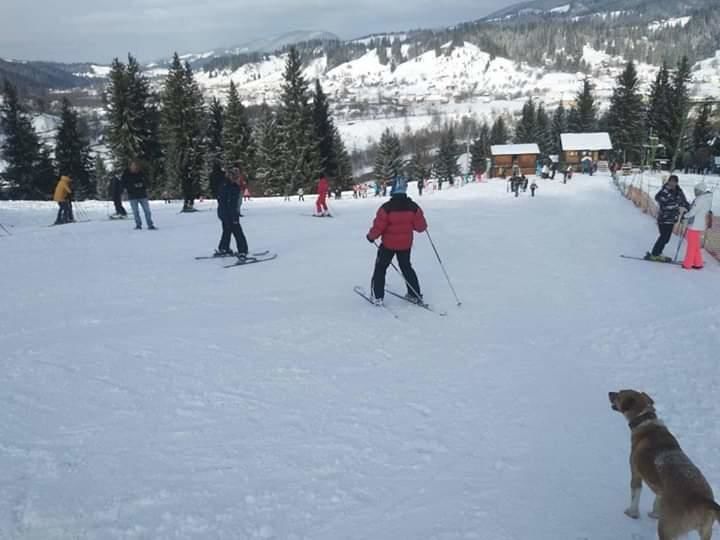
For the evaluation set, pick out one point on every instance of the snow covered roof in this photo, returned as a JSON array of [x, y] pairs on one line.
[[514, 149], [586, 141]]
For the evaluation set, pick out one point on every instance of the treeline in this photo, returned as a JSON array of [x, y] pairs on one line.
[[184, 142], [551, 41], [686, 135]]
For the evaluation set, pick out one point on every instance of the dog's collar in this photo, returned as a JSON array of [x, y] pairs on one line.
[[635, 422]]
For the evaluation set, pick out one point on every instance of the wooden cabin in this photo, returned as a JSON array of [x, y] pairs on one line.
[[577, 147], [507, 156]]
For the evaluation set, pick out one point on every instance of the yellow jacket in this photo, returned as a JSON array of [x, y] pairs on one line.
[[62, 190]]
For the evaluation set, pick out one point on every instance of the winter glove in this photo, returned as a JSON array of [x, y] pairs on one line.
[[370, 239]]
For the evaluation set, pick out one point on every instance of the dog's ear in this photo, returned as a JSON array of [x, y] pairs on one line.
[[649, 399]]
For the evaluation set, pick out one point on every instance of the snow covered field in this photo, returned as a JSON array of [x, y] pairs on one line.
[[148, 395]]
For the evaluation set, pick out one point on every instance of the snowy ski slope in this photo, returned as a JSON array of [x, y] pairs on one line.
[[148, 395]]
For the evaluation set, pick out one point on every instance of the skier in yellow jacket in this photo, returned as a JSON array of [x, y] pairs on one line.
[[62, 196]]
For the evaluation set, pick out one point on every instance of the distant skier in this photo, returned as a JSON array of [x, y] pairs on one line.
[[420, 186], [533, 187], [301, 194], [545, 172], [525, 183], [134, 182], [63, 196], [672, 204], [698, 220], [323, 188], [395, 222], [116, 190], [286, 192], [229, 201], [553, 170]]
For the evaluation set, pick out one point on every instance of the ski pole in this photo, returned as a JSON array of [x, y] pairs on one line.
[[4, 229], [459, 303], [680, 243], [410, 287]]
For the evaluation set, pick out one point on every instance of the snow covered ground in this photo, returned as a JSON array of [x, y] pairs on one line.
[[149, 395]]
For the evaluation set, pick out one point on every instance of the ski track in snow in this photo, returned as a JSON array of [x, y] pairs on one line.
[[149, 395]]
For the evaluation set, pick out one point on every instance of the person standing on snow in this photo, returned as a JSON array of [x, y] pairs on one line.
[[63, 196], [533, 187], [229, 201], [698, 220], [323, 189], [116, 190], [395, 223], [134, 182], [671, 204]]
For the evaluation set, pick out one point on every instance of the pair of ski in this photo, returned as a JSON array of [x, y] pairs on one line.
[[670, 261], [252, 258], [360, 291]]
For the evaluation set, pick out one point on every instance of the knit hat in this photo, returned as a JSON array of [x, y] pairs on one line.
[[700, 187], [399, 186]]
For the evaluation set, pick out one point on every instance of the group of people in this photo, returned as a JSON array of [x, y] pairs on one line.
[[674, 210], [519, 181]]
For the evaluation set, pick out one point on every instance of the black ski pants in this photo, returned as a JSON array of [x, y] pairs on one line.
[[119, 208], [233, 228], [64, 213], [384, 258], [666, 230]]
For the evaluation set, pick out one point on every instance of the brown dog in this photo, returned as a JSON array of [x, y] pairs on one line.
[[684, 501]]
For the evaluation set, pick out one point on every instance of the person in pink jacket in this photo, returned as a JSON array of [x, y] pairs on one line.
[[321, 204], [697, 220]]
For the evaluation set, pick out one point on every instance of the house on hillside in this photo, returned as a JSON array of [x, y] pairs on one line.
[[507, 156], [579, 147]]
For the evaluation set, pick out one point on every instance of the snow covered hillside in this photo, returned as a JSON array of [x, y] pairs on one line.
[[149, 395]]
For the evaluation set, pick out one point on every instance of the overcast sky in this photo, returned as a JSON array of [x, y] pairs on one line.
[[98, 30]]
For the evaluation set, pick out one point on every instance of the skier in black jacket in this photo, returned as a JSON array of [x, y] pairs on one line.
[[229, 200], [116, 189], [671, 205], [133, 180]]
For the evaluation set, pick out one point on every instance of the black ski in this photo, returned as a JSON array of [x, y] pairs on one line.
[[252, 260], [360, 291], [671, 262], [207, 257], [317, 216], [418, 304]]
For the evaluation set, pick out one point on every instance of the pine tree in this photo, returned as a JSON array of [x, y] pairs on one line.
[[298, 145], [702, 136], [214, 147], [29, 170], [389, 160], [324, 131], [559, 126], [625, 116], [344, 174], [237, 135], [419, 167], [72, 154], [133, 118], [102, 178], [659, 111], [526, 128], [446, 166], [181, 132], [269, 159], [499, 133], [480, 149], [543, 131], [585, 118], [680, 105]]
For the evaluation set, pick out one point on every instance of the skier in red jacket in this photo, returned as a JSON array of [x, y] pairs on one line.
[[395, 222], [321, 206]]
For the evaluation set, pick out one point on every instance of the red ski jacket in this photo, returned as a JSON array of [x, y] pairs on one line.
[[323, 186], [395, 222]]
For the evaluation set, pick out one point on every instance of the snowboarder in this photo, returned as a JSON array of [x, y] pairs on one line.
[[671, 205], [62, 196], [533, 187], [134, 182], [323, 189], [229, 201], [395, 222], [698, 219], [116, 190]]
